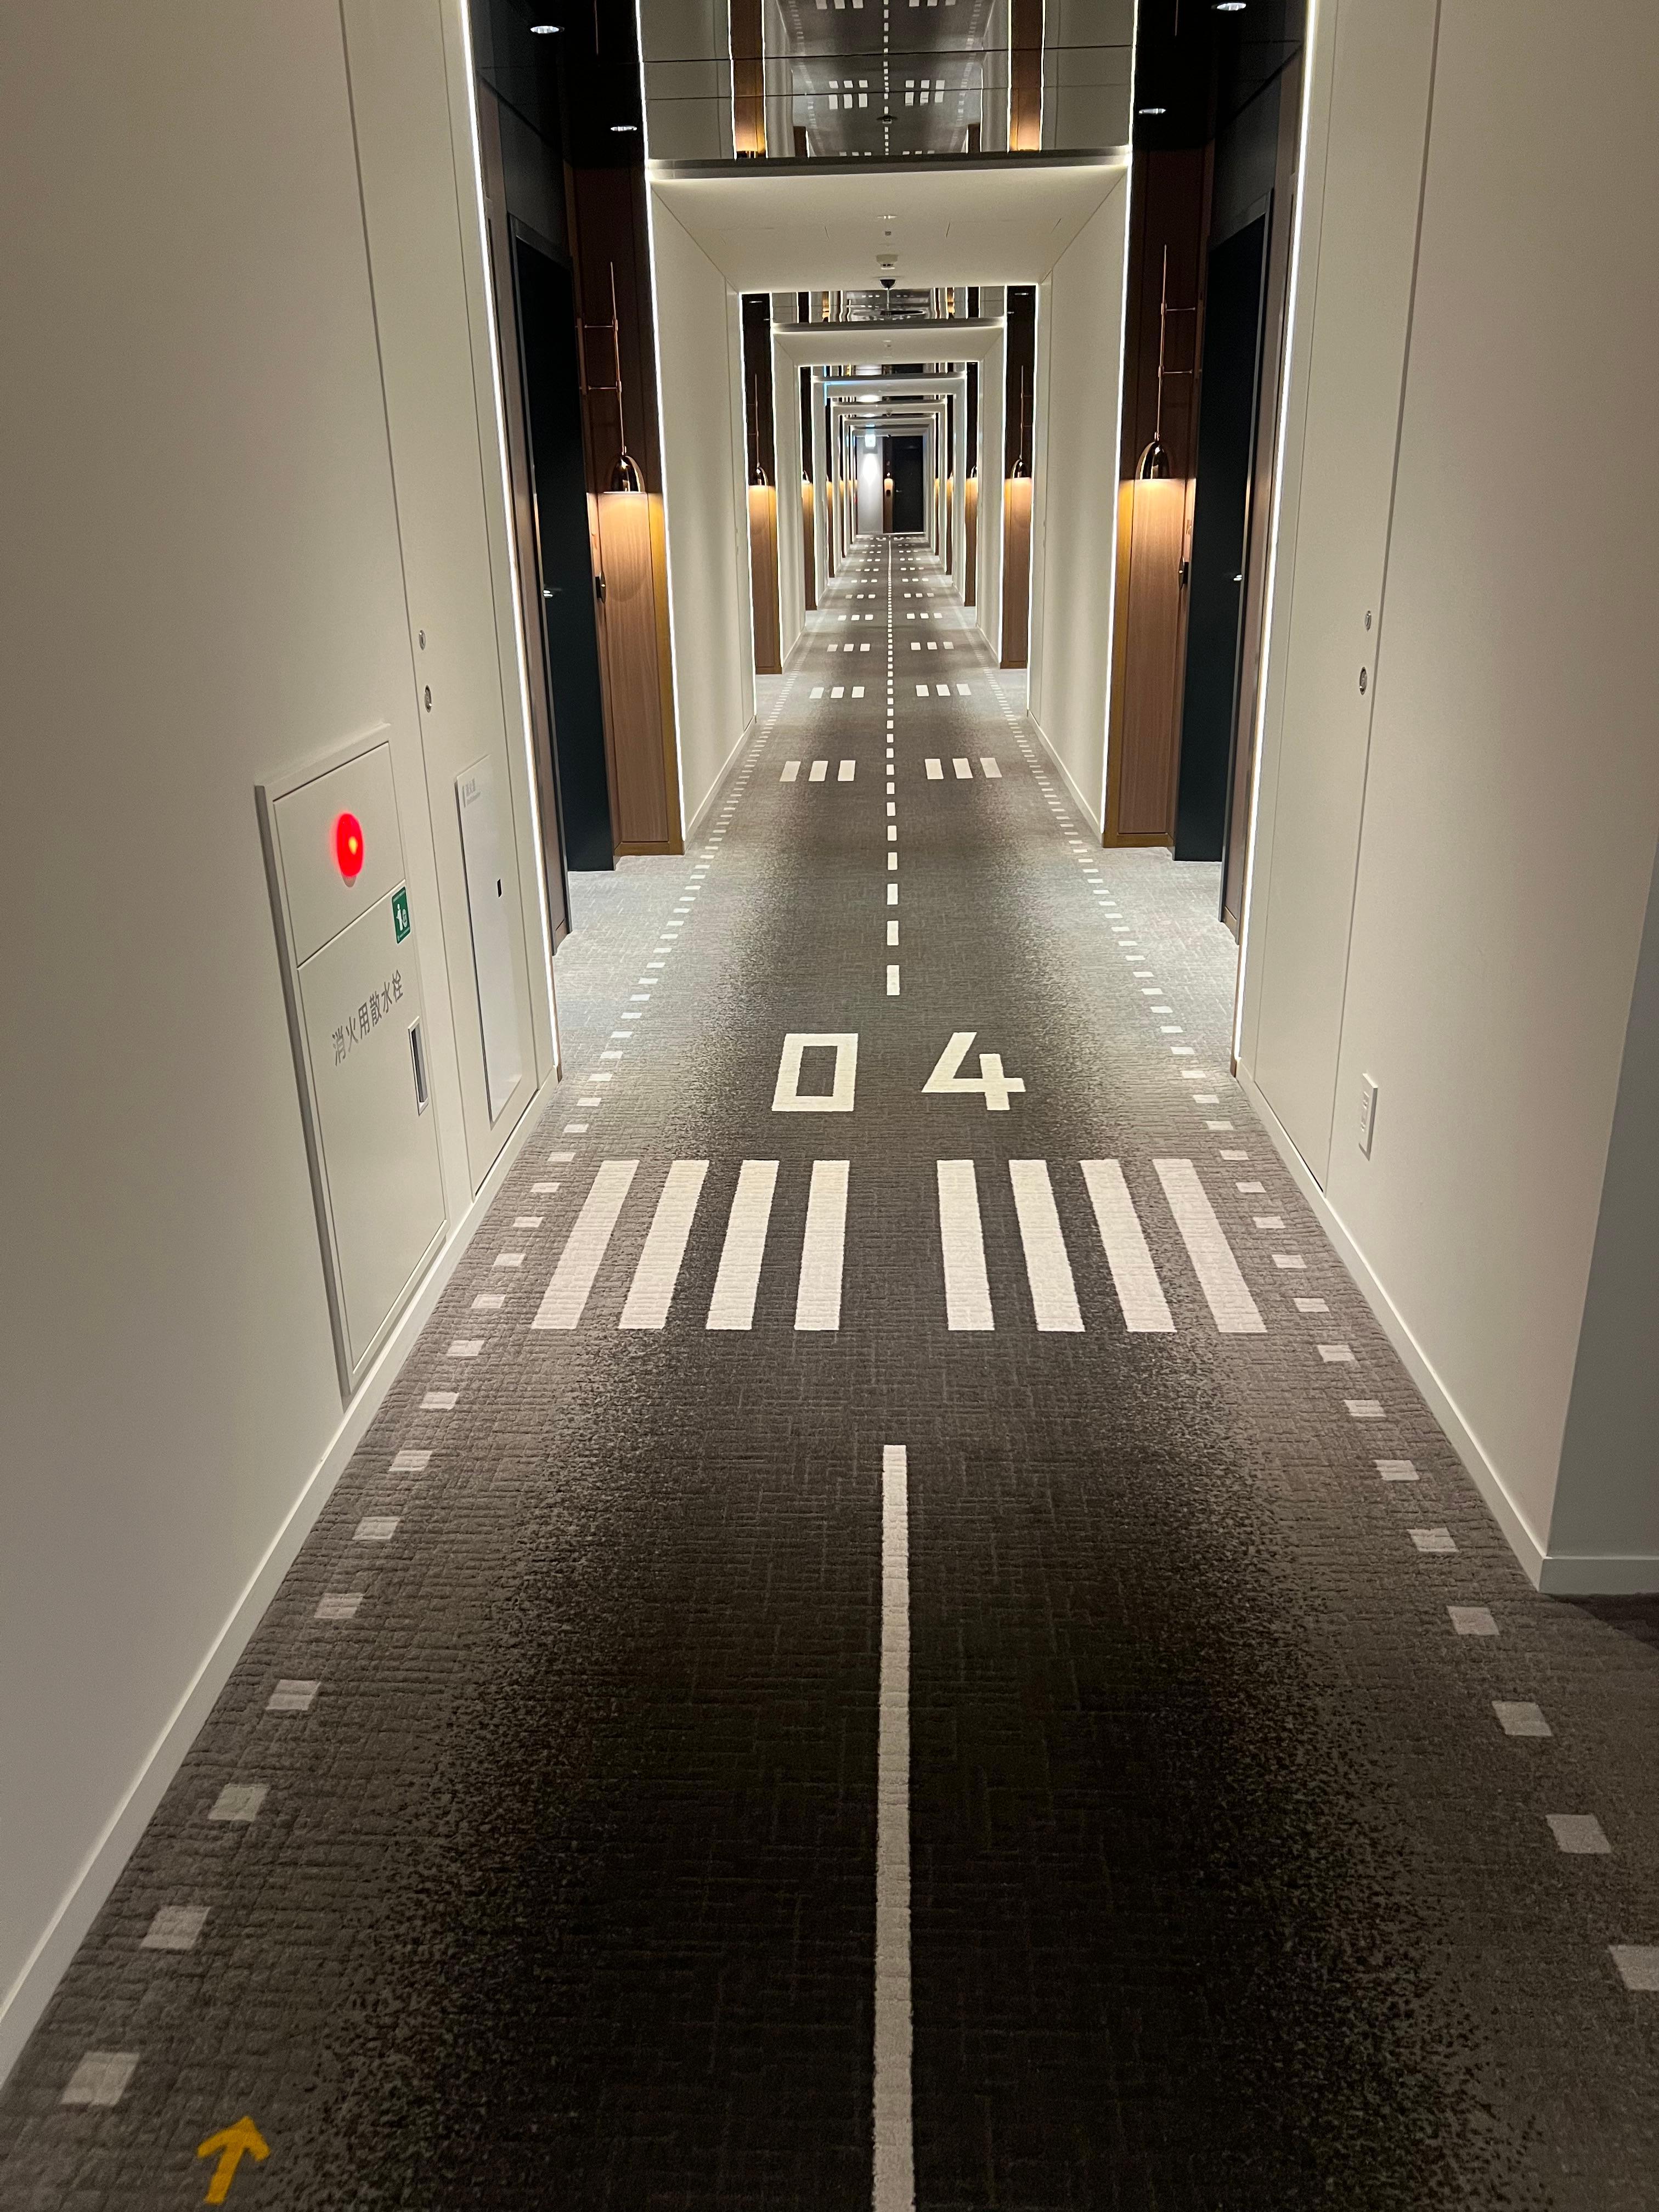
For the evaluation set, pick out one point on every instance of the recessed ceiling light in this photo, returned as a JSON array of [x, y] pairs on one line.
[[544, 30], [624, 126], [1229, 7], [1153, 111]]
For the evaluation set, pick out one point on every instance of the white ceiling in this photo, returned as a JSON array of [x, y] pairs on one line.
[[856, 389], [827, 345], [783, 225]]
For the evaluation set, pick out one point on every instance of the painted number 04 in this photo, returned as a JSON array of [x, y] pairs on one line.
[[990, 1084]]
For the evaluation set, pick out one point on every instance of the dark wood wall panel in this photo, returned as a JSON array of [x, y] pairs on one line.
[[1016, 571], [764, 577], [628, 624], [1025, 76], [1152, 661], [748, 80]]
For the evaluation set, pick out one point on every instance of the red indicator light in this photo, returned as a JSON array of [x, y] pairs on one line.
[[348, 847]]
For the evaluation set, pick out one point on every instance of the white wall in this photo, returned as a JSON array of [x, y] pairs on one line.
[[1608, 1494], [959, 492], [785, 445], [870, 490], [822, 494], [203, 586], [987, 523], [1510, 795], [1074, 499], [699, 343], [1373, 73], [436, 359]]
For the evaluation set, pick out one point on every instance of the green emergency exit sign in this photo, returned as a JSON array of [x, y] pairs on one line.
[[400, 911]]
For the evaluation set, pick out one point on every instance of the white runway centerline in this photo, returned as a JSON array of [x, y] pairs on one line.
[[895, 2179]]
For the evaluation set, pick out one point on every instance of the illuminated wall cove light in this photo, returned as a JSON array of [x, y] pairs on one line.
[[348, 847]]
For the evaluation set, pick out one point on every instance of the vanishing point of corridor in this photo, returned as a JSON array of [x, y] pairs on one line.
[[901, 1628]]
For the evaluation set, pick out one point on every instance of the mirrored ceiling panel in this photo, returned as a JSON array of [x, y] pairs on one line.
[[884, 80]]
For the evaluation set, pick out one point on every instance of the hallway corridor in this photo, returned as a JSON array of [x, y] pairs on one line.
[[902, 1597]]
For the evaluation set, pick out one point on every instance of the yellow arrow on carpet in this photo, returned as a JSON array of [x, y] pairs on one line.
[[230, 2144]]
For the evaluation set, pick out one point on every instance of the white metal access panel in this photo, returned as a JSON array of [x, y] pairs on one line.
[[346, 935]]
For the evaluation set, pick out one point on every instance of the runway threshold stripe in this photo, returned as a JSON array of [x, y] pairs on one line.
[[585, 1247], [732, 1305], [1047, 1267], [1229, 1300], [651, 1291], [1134, 1276], [818, 1295], [962, 1243]]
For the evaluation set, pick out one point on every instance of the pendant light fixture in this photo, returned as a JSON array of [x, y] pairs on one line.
[[1153, 466], [1019, 469], [625, 471], [760, 478]]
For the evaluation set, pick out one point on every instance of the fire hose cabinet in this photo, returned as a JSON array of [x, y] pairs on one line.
[[348, 944]]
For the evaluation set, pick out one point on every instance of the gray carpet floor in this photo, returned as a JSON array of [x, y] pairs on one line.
[[831, 1509]]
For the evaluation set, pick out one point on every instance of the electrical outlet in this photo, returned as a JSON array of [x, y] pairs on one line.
[[1367, 1114]]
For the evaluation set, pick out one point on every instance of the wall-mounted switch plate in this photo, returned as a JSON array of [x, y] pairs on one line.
[[1367, 1114]]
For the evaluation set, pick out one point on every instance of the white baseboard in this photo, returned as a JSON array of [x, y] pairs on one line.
[[1598, 1574], [1557, 1574], [1090, 807], [713, 791], [1519, 1533], [27, 1999]]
